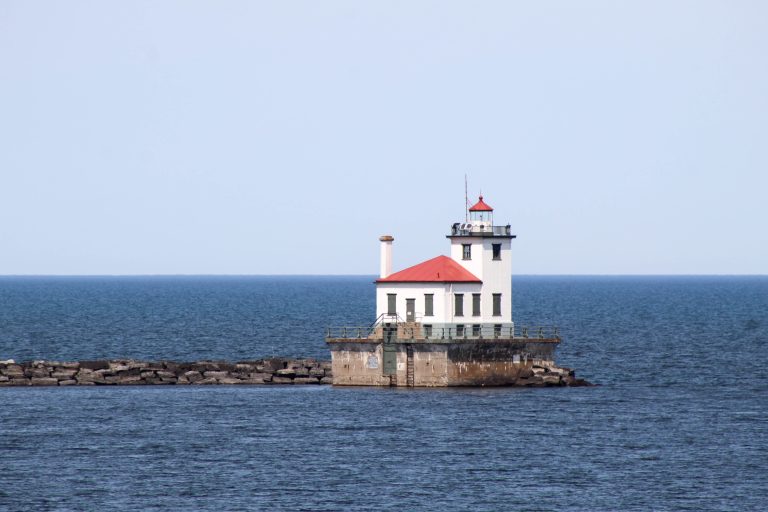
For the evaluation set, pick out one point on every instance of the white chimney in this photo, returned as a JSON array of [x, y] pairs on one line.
[[386, 255]]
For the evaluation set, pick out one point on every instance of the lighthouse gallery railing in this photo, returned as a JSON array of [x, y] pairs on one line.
[[436, 334]]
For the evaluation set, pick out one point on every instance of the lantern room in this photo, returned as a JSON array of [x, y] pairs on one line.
[[481, 213]]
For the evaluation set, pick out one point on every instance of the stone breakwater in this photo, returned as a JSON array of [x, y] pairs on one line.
[[131, 372], [545, 375]]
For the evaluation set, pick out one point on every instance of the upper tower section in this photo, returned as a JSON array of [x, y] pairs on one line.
[[480, 223]]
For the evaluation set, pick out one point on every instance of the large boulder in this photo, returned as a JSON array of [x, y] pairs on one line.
[[43, 381]]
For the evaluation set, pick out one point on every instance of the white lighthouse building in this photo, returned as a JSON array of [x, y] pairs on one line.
[[465, 295], [448, 321]]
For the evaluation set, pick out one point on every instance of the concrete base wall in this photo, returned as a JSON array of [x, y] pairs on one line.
[[359, 364], [497, 362]]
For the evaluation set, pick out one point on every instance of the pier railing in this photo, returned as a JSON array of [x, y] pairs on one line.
[[437, 334]]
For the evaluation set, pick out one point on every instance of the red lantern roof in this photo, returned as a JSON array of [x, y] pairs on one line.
[[481, 206], [437, 270]]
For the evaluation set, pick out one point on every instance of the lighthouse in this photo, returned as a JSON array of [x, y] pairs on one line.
[[468, 293], [446, 321]]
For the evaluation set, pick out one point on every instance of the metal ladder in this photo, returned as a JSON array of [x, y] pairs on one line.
[[409, 365]]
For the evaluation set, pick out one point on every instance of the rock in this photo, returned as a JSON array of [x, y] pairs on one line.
[[306, 380], [36, 372], [130, 379], [43, 381], [193, 376], [326, 380], [253, 382], [281, 380], [118, 367], [525, 373], [63, 374], [147, 374], [14, 370], [229, 380], [534, 381], [182, 380], [317, 372], [4, 378], [7, 361], [19, 382], [94, 365], [551, 380], [85, 375], [164, 374], [206, 381], [243, 367], [274, 364], [90, 377], [215, 374], [287, 372], [68, 382], [68, 364], [205, 366], [260, 376]]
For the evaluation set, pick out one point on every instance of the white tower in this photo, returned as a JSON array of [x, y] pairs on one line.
[[485, 251]]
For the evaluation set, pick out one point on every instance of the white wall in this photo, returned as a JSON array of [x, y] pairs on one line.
[[495, 274]]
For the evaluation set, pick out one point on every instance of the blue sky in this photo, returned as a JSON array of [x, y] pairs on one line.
[[284, 137]]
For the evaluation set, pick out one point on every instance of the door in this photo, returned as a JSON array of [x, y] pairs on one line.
[[389, 349], [410, 310], [390, 359]]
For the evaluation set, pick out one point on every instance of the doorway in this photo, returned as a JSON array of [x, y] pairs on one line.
[[410, 310]]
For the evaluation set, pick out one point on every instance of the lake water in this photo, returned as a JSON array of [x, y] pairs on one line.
[[680, 421]]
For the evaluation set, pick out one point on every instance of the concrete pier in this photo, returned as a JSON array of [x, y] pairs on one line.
[[413, 361]]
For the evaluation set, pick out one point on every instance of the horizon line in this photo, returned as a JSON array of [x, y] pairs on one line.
[[375, 275]]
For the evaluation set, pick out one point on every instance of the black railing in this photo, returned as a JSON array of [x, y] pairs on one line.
[[434, 333], [460, 229]]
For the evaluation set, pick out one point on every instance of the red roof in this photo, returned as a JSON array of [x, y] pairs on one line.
[[481, 206], [441, 270]]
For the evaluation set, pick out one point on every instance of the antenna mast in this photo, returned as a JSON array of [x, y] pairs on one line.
[[466, 200]]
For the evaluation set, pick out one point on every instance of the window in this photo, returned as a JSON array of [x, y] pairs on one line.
[[391, 303], [496, 330], [475, 304], [476, 330], [460, 331], [496, 304], [427, 330], [429, 300], [496, 251], [466, 251], [458, 309]]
